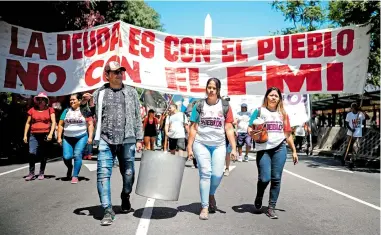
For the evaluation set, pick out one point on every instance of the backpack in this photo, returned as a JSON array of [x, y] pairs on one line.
[[225, 106]]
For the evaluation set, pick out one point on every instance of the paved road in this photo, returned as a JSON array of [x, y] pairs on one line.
[[317, 197]]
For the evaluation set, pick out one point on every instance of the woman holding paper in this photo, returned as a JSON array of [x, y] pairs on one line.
[[210, 119], [272, 152]]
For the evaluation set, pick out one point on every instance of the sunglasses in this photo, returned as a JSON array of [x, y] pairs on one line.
[[117, 72], [40, 99]]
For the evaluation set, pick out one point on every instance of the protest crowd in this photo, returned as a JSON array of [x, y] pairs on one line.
[[102, 117]]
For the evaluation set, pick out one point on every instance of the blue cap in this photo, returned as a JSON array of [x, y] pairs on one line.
[[244, 105]]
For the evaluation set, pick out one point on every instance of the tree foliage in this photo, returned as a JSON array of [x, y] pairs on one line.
[[345, 13], [304, 15], [313, 15], [140, 14], [56, 16]]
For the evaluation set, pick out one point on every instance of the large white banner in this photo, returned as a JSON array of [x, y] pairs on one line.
[[325, 61]]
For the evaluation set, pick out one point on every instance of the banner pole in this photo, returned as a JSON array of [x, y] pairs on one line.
[[169, 103], [142, 94]]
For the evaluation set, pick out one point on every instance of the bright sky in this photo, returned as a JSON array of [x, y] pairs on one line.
[[230, 19]]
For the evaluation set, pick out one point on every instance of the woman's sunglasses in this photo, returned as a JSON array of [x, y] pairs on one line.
[[40, 99]]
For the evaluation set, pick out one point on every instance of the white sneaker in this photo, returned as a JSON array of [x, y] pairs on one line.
[[239, 158], [226, 173]]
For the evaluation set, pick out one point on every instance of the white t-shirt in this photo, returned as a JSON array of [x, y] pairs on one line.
[[75, 123], [211, 124], [243, 119], [275, 128], [175, 122], [299, 131], [355, 122]]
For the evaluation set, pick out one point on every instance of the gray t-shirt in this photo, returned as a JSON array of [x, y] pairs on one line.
[[113, 116]]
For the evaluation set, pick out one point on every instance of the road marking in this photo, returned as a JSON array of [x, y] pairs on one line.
[[91, 167], [146, 217], [327, 167], [335, 169], [17, 169], [334, 190]]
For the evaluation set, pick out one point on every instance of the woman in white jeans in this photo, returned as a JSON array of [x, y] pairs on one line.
[[210, 119]]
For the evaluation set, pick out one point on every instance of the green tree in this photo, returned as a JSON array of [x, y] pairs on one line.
[[304, 15], [313, 15], [73, 15], [344, 13], [138, 13]]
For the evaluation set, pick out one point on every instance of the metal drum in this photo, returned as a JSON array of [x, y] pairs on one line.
[[160, 175]]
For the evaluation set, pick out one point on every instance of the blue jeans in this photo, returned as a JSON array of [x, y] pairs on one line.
[[73, 148], [211, 163], [270, 165], [159, 139], [126, 156]]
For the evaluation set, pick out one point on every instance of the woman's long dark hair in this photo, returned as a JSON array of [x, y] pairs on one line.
[[280, 106], [85, 110], [151, 111], [77, 95], [218, 86]]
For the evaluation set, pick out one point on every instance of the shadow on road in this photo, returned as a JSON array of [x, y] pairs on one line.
[[157, 213], [193, 208], [244, 208], [80, 178], [249, 208], [97, 211], [20, 160], [318, 160], [325, 161], [45, 177]]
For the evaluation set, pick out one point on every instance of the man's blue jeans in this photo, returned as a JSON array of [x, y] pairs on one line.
[[126, 156], [270, 165]]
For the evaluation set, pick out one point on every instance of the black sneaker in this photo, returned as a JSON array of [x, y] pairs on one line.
[[126, 205], [271, 213], [108, 217], [258, 203]]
